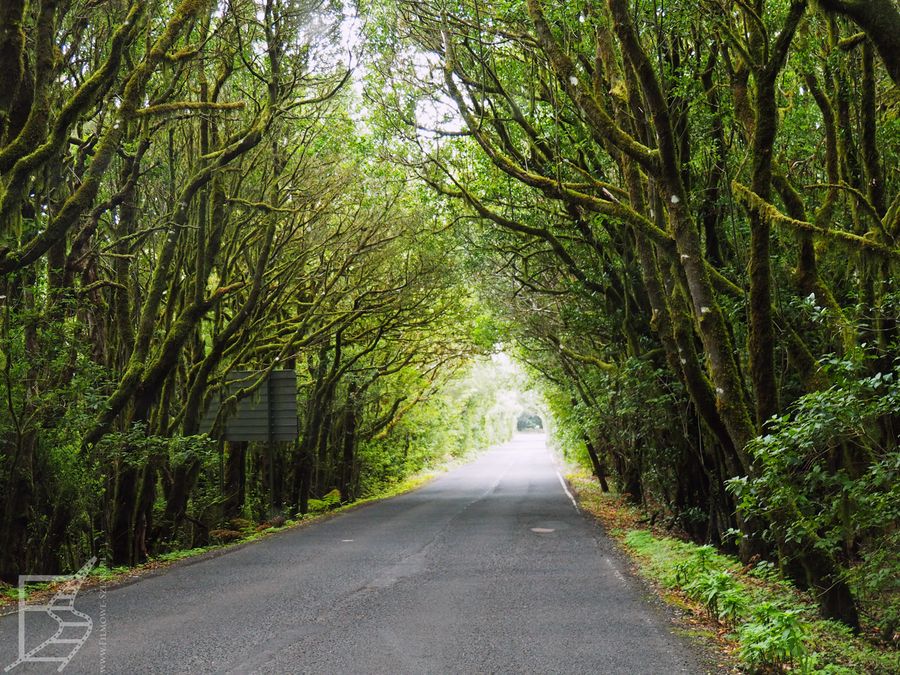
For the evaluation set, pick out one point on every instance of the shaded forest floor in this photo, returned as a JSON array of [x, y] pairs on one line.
[[751, 617]]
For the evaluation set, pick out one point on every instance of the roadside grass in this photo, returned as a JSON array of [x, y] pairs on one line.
[[756, 618], [9, 594]]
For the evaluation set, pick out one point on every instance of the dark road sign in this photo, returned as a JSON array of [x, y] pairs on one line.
[[267, 413]]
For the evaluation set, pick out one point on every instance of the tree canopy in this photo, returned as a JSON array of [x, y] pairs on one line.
[[682, 218]]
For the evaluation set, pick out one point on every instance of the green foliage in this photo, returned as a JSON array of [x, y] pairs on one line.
[[773, 638], [701, 576], [135, 446], [838, 488], [172, 556], [327, 503], [718, 591], [105, 572], [467, 415], [775, 627], [241, 524], [16, 593], [634, 412]]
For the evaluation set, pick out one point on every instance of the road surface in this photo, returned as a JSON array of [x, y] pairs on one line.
[[488, 569]]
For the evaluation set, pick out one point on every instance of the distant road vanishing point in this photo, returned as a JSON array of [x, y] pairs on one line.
[[488, 569]]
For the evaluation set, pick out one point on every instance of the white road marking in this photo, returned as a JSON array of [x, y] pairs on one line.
[[615, 571], [346, 541], [543, 530], [566, 489]]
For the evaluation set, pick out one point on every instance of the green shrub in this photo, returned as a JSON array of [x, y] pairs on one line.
[[773, 639], [330, 501], [316, 506], [241, 524], [732, 605], [833, 474]]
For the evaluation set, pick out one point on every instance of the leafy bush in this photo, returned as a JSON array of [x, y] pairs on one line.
[[241, 524], [329, 501], [774, 626], [702, 578], [831, 475], [774, 638]]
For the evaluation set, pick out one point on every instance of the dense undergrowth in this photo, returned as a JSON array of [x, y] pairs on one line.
[[758, 619]]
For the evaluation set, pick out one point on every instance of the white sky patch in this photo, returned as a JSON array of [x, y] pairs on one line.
[[435, 113]]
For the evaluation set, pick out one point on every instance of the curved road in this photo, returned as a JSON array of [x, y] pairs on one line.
[[488, 569]]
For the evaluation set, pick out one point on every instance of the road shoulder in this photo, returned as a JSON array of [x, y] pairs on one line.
[[712, 652]]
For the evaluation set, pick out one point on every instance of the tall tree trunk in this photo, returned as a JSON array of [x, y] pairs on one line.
[[348, 454]]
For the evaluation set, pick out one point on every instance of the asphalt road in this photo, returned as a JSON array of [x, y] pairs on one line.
[[488, 569]]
